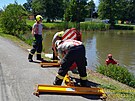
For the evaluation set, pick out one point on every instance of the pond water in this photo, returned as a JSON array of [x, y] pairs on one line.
[[121, 44]]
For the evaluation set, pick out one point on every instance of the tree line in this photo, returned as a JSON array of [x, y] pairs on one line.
[[68, 10], [13, 17], [123, 10], [78, 10]]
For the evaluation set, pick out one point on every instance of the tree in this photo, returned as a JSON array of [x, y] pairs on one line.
[[28, 5], [37, 7], [91, 8], [67, 12], [55, 9], [117, 10], [51, 9], [13, 19], [107, 10], [75, 11], [131, 11]]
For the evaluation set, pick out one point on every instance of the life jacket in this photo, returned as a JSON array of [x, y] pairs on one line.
[[73, 34]]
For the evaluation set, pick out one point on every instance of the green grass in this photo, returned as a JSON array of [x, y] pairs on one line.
[[83, 25], [115, 90], [30, 22], [118, 73]]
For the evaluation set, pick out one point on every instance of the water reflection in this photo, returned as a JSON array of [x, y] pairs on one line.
[[98, 44]]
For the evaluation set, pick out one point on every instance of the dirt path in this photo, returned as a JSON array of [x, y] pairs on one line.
[[18, 77]]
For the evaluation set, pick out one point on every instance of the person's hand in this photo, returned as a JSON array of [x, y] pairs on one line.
[[59, 62]]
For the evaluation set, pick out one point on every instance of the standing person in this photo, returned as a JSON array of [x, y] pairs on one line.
[[37, 34], [72, 51], [110, 60], [72, 33]]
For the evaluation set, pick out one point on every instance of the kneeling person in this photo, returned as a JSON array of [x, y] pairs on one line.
[[73, 51]]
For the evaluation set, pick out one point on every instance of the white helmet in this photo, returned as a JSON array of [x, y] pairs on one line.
[[58, 42]]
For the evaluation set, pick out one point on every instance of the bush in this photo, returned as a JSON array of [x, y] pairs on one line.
[[118, 73], [94, 26], [13, 21]]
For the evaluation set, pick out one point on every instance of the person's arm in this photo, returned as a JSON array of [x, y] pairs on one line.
[[54, 47], [55, 51], [106, 62], [33, 29], [115, 62], [32, 32]]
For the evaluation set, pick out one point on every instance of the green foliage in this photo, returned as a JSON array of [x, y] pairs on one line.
[[12, 19], [118, 73], [83, 25], [91, 8], [28, 5], [117, 10], [50, 9], [76, 11], [107, 10], [94, 26], [37, 7]]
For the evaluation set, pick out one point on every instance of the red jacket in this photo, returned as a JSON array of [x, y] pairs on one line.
[[111, 61]]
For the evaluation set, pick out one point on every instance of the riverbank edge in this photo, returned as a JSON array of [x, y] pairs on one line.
[[115, 90]]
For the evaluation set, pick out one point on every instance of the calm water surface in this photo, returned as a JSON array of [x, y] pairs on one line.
[[121, 44]]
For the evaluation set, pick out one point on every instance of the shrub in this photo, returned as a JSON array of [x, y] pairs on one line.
[[118, 73], [12, 19]]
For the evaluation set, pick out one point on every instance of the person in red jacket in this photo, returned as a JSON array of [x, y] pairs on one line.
[[110, 60]]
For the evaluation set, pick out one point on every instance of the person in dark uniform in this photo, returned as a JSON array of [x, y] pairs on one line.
[[37, 34], [71, 51]]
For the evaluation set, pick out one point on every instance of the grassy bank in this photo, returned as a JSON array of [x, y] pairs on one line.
[[83, 25], [115, 90]]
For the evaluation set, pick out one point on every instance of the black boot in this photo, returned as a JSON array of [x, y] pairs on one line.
[[30, 58], [55, 58], [83, 83], [57, 81], [39, 57]]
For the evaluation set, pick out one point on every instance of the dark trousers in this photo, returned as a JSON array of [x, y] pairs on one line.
[[37, 46], [75, 54]]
